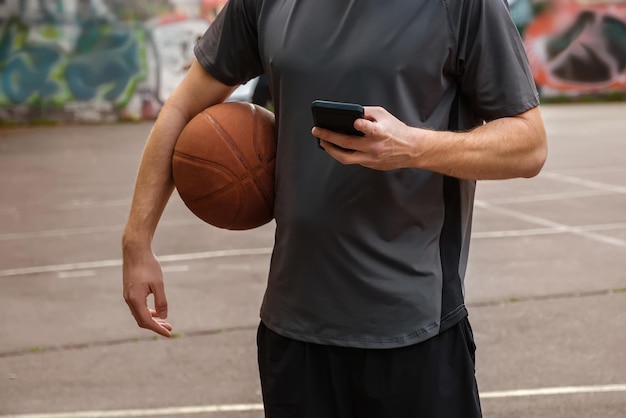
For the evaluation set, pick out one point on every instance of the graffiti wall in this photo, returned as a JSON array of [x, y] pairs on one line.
[[576, 47], [94, 60], [110, 60]]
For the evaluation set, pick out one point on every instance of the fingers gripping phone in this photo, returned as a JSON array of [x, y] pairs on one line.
[[337, 116]]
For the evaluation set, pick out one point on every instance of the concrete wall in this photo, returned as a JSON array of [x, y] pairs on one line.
[[109, 60]]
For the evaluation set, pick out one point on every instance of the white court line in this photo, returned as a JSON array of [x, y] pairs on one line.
[[54, 268], [546, 231], [593, 170], [585, 183], [75, 204], [234, 267], [176, 411], [90, 203], [598, 189], [551, 229], [175, 268], [546, 197], [65, 232], [565, 390], [551, 224], [76, 274], [190, 410]]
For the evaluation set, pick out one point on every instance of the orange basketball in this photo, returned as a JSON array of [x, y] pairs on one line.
[[223, 165]]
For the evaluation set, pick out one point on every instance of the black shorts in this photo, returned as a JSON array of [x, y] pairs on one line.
[[432, 379]]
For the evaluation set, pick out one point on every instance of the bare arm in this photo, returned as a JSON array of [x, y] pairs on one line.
[[141, 271], [503, 148]]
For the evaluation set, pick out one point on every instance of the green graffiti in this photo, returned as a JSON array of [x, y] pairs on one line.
[[104, 63]]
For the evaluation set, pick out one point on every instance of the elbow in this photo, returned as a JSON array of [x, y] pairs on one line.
[[538, 143], [536, 159], [534, 166]]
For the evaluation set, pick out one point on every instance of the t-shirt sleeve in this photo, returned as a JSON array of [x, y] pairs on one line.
[[229, 49], [494, 73]]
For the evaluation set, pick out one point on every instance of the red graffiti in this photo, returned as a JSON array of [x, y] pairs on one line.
[[579, 48]]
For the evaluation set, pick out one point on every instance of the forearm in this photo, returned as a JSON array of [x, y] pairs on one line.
[[503, 148], [154, 184]]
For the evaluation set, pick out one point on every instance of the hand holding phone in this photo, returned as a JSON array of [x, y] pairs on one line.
[[337, 116]]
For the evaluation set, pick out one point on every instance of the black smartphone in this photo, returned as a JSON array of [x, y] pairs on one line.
[[337, 116]]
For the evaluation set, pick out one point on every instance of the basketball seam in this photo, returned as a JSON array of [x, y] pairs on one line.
[[228, 140], [207, 162], [268, 199], [214, 192], [235, 150]]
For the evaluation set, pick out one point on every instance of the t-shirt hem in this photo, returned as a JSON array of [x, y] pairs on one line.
[[413, 337], [515, 109], [453, 318]]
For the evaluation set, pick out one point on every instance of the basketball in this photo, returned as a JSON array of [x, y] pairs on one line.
[[223, 165]]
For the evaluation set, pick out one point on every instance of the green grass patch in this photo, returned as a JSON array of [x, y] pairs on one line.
[[9, 124], [43, 122], [600, 97]]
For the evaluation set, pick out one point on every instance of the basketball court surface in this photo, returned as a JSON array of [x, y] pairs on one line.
[[546, 286]]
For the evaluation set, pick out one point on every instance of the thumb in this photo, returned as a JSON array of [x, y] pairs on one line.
[[160, 300]]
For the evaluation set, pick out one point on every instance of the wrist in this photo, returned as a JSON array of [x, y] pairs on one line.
[[133, 241], [425, 142]]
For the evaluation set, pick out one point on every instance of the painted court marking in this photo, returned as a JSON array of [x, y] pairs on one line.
[[76, 274], [55, 268], [547, 231], [551, 224], [596, 185], [177, 268], [203, 409], [549, 228], [66, 232]]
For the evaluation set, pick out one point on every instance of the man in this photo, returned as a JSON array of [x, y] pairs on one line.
[[363, 315]]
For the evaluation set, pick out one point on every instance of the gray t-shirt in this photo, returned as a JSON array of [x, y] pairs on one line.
[[366, 258]]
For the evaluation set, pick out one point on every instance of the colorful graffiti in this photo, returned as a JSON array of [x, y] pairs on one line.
[[106, 60], [577, 47], [94, 60], [103, 62]]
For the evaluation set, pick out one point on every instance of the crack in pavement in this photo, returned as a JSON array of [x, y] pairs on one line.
[[208, 332]]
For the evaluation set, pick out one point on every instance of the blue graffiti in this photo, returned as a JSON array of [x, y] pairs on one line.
[[105, 61], [104, 58], [27, 71]]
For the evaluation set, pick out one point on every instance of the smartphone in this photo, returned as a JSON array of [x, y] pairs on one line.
[[337, 116]]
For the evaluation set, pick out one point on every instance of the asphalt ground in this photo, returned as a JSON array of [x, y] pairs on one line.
[[546, 286]]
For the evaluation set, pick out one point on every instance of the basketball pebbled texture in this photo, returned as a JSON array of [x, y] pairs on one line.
[[223, 165]]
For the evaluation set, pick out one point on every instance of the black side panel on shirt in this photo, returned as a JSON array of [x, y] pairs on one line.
[[451, 241]]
